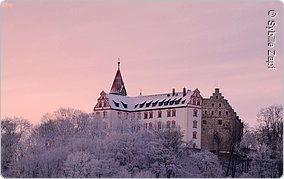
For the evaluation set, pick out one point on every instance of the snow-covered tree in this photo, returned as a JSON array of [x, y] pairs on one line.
[[14, 141], [201, 164]]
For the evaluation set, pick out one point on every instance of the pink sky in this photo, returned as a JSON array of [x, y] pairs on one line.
[[63, 54]]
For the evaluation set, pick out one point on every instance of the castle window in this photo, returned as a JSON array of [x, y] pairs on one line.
[[126, 115], [205, 112], [198, 102], [220, 113], [194, 101], [220, 122], [212, 113], [100, 104], [159, 125], [227, 113], [194, 135], [204, 121], [168, 124], [150, 115], [159, 114], [169, 113], [220, 104], [195, 112], [194, 124], [216, 97], [212, 104], [145, 115], [119, 115], [104, 114], [173, 124], [194, 145], [150, 125], [146, 125], [105, 104], [173, 112]]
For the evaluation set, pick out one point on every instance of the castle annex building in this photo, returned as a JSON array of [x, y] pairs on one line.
[[208, 123]]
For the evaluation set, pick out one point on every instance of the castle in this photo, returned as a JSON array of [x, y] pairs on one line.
[[207, 123]]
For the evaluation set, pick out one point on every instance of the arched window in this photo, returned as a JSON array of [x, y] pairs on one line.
[[194, 135], [105, 104], [159, 125], [169, 113], [168, 124], [173, 112], [194, 145], [100, 104], [173, 124], [194, 124], [150, 125], [220, 113], [195, 112]]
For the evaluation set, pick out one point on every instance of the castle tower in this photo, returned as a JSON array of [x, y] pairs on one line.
[[118, 84]]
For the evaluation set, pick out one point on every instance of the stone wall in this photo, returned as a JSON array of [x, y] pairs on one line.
[[221, 127]]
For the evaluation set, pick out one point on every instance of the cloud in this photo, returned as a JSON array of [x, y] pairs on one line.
[[6, 5]]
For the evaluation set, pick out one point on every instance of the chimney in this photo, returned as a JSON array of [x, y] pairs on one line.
[[174, 92], [184, 91]]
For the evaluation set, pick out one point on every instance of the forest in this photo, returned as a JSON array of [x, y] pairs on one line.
[[72, 143]]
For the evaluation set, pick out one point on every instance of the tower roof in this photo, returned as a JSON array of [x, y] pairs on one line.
[[118, 84]]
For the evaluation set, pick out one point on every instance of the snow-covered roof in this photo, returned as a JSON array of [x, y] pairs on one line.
[[148, 102]]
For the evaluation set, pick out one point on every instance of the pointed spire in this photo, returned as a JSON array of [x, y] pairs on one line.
[[118, 84], [118, 64]]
